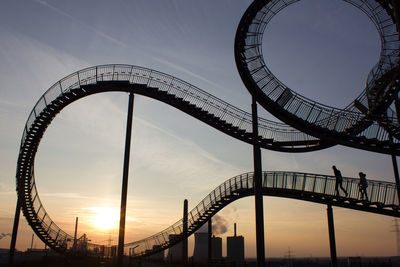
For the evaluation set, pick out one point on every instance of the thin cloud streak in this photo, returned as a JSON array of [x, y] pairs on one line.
[[63, 13], [71, 195], [185, 141], [184, 70]]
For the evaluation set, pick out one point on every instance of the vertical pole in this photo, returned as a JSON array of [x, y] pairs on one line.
[[396, 175], [33, 235], [332, 242], [209, 239], [185, 232], [125, 181], [14, 234], [397, 231], [394, 160], [76, 232], [396, 14], [258, 190]]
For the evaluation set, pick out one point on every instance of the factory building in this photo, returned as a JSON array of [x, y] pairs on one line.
[[158, 256], [200, 253], [235, 247], [216, 248], [175, 253]]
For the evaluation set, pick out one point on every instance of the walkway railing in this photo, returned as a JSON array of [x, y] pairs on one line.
[[70, 87], [381, 198], [47, 107], [276, 131], [62, 239]]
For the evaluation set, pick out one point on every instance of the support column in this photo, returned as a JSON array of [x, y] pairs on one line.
[[332, 242], [209, 239], [33, 236], [185, 232], [394, 160], [396, 13], [14, 233], [396, 175], [125, 181], [258, 189], [76, 232]]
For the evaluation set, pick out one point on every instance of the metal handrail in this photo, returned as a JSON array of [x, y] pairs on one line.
[[280, 132], [51, 103], [383, 195]]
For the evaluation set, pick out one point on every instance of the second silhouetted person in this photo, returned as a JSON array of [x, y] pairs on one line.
[[363, 185]]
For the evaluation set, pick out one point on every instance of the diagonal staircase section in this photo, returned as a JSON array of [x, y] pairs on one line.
[[381, 198]]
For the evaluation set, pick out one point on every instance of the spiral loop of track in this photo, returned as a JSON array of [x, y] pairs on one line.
[[366, 123]]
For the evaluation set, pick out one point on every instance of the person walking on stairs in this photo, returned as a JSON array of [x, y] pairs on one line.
[[339, 180]]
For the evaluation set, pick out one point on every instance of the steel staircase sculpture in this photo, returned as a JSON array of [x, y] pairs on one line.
[[168, 89], [381, 198], [367, 123]]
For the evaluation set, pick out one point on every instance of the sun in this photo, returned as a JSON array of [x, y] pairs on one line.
[[104, 218]]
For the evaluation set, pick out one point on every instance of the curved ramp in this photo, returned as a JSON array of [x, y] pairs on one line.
[[381, 198], [177, 93]]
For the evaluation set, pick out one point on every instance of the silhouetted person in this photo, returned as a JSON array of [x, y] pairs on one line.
[[339, 180], [362, 185]]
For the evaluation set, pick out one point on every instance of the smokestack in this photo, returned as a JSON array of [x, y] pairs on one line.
[[234, 226], [76, 231], [33, 235]]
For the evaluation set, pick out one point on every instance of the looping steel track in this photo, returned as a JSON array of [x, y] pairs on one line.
[[157, 85], [366, 123]]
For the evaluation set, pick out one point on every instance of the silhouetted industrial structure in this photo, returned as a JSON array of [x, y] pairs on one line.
[[175, 252], [216, 251], [200, 252], [157, 256], [235, 247]]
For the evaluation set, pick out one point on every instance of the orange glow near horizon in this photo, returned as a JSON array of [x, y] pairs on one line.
[[104, 218]]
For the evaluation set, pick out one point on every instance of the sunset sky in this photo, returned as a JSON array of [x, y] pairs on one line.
[[322, 49]]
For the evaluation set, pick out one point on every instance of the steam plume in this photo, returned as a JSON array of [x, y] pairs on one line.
[[219, 225]]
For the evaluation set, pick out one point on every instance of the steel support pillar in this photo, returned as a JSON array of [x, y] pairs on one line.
[[76, 232], [125, 175], [258, 189], [396, 175], [396, 13], [332, 242], [185, 232], [209, 239], [394, 160], [14, 234], [33, 237]]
